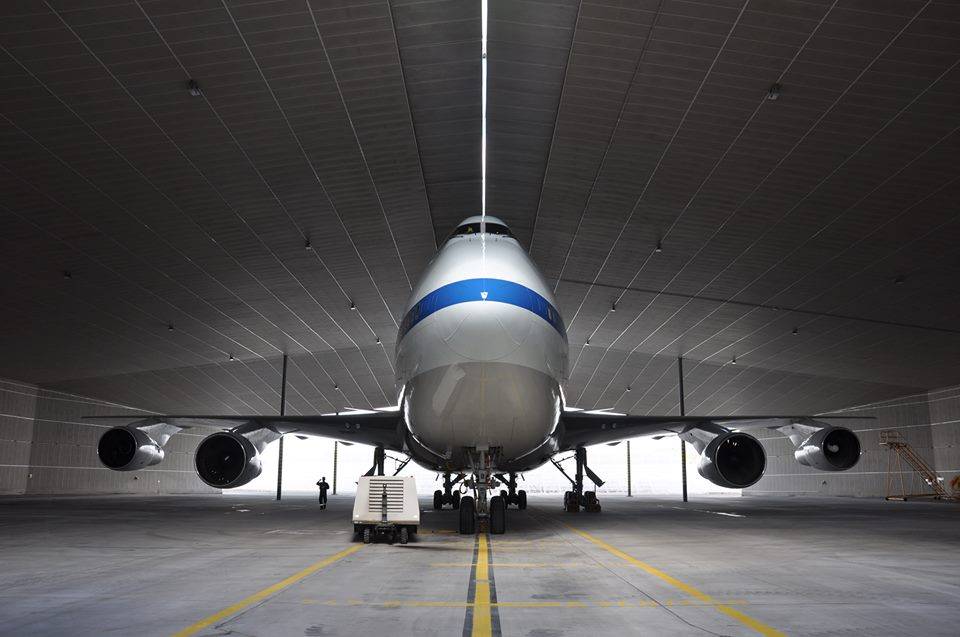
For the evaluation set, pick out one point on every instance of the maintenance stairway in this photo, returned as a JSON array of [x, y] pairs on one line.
[[900, 452]]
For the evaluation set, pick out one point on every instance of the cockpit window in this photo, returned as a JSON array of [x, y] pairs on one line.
[[474, 228]]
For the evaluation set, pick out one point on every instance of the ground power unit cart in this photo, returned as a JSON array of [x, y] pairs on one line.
[[386, 507]]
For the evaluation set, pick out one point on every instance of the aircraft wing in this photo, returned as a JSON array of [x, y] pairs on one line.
[[583, 428], [370, 428]]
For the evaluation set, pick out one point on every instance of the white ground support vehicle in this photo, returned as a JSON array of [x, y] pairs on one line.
[[386, 507]]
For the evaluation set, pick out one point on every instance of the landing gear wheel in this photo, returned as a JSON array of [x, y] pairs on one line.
[[404, 535], [498, 515], [570, 503], [437, 499], [367, 536], [503, 494], [456, 500], [468, 521], [591, 503], [521, 499]]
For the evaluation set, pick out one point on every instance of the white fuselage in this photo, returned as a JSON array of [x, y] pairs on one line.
[[481, 356]]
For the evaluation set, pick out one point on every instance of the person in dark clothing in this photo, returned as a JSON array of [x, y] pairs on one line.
[[322, 484]]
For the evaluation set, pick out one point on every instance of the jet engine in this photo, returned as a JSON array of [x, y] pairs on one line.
[[227, 459], [128, 449], [733, 459], [829, 449]]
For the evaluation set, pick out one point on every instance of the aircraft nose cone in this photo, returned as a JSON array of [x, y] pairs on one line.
[[483, 330]]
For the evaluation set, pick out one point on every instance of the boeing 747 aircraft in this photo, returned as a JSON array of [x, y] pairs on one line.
[[481, 360]]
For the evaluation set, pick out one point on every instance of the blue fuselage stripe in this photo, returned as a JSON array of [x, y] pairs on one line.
[[489, 290]]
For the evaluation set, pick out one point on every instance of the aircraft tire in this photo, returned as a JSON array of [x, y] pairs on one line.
[[521, 499], [456, 500], [437, 499], [468, 520], [498, 515], [404, 535]]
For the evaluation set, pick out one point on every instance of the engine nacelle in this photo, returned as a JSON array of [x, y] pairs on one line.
[[829, 449], [227, 459], [128, 449], [733, 459]]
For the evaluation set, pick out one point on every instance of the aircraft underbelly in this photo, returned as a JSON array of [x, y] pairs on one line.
[[494, 405]]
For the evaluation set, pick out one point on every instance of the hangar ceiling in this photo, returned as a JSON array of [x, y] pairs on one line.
[[163, 250]]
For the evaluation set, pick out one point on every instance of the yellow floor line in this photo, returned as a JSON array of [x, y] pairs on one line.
[[743, 618], [482, 611], [267, 592]]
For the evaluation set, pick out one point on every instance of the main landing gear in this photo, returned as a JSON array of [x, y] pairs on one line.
[[448, 495], [511, 495], [576, 498]]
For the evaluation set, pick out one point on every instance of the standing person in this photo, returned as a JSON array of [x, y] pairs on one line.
[[323, 486]]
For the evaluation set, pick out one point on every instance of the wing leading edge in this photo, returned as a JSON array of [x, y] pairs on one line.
[[383, 429], [581, 428]]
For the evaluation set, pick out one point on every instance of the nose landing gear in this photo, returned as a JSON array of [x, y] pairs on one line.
[[576, 498], [475, 510]]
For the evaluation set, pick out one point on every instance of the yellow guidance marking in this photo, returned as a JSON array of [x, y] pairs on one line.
[[482, 610], [621, 603], [743, 618], [265, 593]]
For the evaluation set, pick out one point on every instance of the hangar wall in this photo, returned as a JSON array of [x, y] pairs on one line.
[[929, 422], [46, 448]]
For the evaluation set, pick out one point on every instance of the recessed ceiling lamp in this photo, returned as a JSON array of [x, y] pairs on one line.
[[613, 307], [659, 247], [67, 274], [353, 305], [378, 339], [733, 361], [773, 93], [336, 386], [231, 357], [307, 245], [194, 88], [796, 331], [898, 280], [629, 388], [170, 327]]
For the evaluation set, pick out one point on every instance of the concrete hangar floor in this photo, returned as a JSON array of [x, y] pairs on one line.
[[248, 565]]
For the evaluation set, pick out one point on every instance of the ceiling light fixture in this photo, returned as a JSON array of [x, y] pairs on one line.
[[613, 307], [796, 331], [67, 274], [629, 388], [898, 280], [194, 88], [307, 245], [378, 339], [170, 327], [483, 124], [773, 93], [733, 361], [659, 247], [336, 386], [231, 357], [353, 305]]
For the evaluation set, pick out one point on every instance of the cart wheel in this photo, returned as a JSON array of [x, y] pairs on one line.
[[498, 515], [522, 495], [404, 535], [367, 536]]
